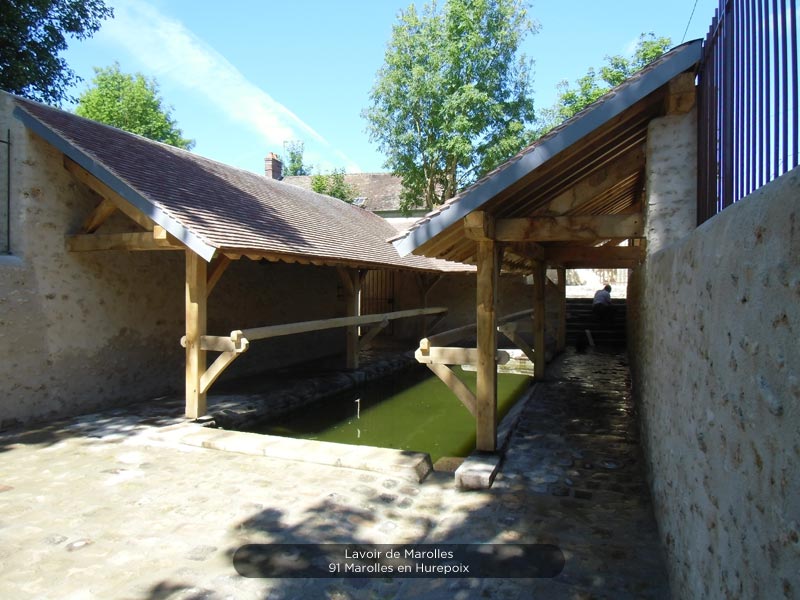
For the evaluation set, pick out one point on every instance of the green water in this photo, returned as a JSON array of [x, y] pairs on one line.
[[412, 410]]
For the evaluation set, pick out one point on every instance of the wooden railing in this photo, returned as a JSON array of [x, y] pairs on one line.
[[238, 342]]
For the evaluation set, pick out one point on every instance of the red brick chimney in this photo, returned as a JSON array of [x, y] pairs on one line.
[[273, 167]]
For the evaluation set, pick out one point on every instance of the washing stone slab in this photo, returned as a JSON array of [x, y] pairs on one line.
[[412, 466]]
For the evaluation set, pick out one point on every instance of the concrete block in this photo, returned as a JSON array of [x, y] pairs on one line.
[[478, 471]]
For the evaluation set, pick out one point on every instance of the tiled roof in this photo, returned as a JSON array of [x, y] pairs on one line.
[[381, 190], [213, 207]]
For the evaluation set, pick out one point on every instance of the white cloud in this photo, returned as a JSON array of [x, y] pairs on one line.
[[170, 51]]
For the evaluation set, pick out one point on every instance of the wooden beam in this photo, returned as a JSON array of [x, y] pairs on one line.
[[260, 333], [366, 340], [216, 269], [107, 193], [479, 226], [98, 216], [569, 229], [140, 241], [486, 321], [594, 257], [443, 355], [457, 386], [196, 324], [539, 277], [510, 331], [598, 182], [681, 95], [352, 298], [561, 336]]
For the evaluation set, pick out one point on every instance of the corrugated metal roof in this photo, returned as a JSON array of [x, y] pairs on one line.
[[608, 136], [213, 207]]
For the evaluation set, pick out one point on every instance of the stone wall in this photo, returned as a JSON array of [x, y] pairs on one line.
[[83, 330], [714, 337]]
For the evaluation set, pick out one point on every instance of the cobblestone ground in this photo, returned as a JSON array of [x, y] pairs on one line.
[[97, 508]]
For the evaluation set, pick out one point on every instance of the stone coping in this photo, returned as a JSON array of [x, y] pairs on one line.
[[411, 466]]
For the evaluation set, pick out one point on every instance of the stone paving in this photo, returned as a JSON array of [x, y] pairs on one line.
[[103, 507]]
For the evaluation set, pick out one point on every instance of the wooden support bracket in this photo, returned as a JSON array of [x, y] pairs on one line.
[[457, 386], [510, 331], [366, 340], [455, 356]]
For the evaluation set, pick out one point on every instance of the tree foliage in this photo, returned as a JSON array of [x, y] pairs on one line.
[[596, 83], [452, 99], [132, 103], [334, 184], [34, 32], [294, 159]]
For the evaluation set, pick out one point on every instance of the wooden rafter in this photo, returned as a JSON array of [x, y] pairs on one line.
[[597, 182]]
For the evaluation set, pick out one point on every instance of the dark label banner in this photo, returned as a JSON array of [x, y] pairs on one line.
[[294, 561]]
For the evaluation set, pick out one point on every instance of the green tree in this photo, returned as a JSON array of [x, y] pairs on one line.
[[132, 103], [33, 33], [451, 100], [590, 87], [294, 159], [334, 184]]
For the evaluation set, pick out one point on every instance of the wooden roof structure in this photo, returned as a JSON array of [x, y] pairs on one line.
[[215, 213], [567, 201], [572, 196], [212, 208]]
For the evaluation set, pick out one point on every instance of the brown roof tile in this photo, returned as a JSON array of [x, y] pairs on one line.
[[226, 208]]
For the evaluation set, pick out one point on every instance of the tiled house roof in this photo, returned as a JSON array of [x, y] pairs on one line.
[[381, 190], [212, 207]]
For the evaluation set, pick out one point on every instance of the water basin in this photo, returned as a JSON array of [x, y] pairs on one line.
[[410, 410]]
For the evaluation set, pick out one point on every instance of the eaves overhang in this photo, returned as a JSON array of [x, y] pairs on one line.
[[617, 101]]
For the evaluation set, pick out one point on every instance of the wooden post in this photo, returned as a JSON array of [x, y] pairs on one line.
[[351, 280], [196, 321], [539, 276], [561, 342], [486, 309]]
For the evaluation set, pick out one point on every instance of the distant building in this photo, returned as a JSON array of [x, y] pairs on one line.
[[376, 192]]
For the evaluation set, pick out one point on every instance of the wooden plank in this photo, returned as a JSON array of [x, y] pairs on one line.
[[444, 355], [561, 335], [217, 268], [486, 321], [107, 193], [269, 331], [139, 241], [98, 216], [569, 229], [457, 386], [196, 323], [596, 257], [598, 181], [539, 277]]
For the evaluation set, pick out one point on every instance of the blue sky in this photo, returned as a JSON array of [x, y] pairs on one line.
[[243, 76]]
